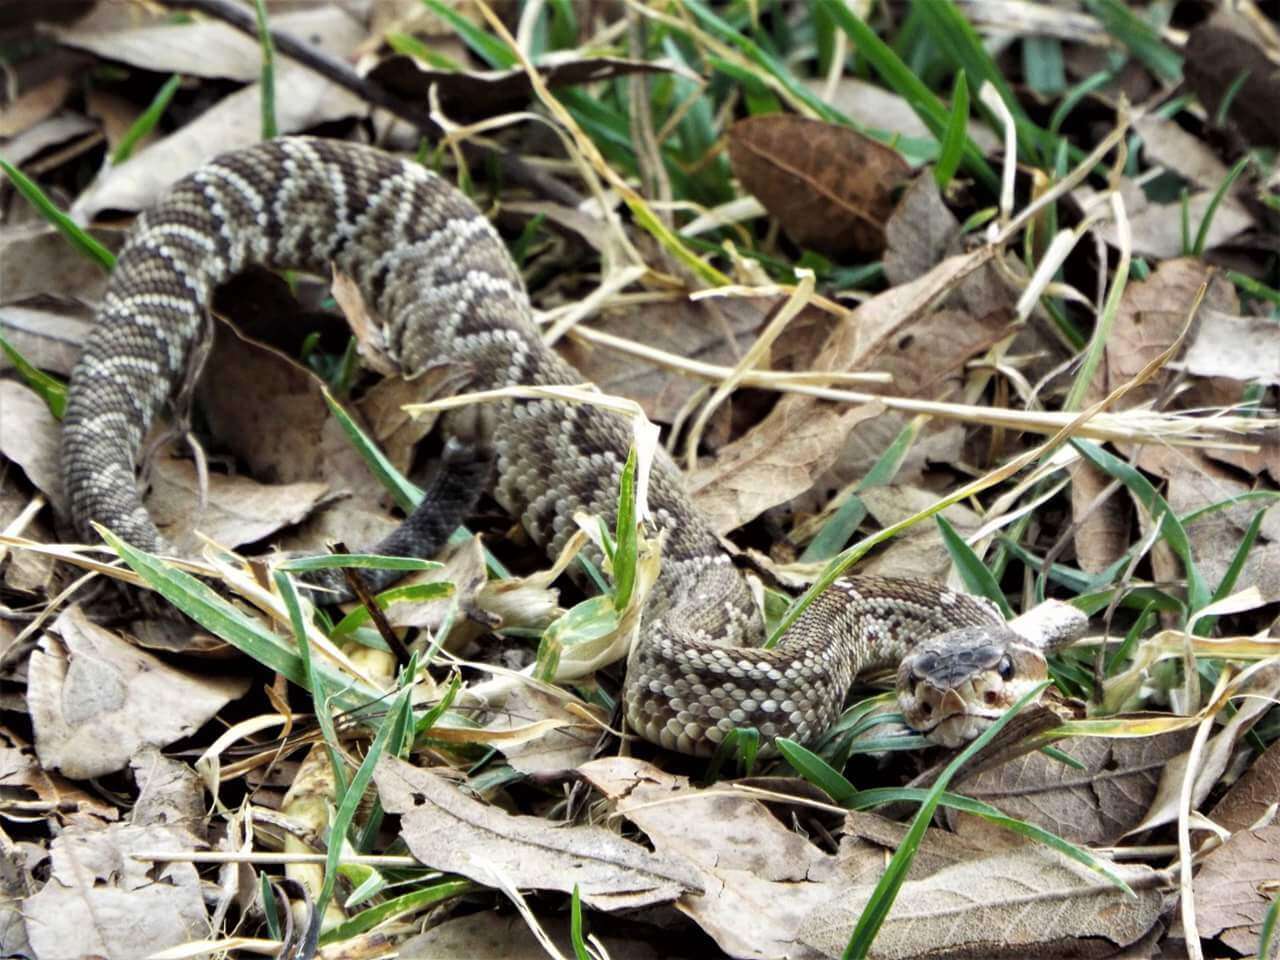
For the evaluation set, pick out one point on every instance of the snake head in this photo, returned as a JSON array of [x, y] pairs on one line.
[[953, 686]]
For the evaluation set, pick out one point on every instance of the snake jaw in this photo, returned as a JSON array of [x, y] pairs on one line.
[[953, 686]]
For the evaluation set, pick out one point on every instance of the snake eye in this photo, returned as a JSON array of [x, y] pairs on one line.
[[1006, 668]]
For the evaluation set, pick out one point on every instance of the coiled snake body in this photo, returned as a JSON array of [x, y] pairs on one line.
[[439, 278]]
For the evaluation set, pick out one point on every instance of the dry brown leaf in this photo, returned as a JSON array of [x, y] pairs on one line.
[[237, 510], [1097, 805], [24, 781], [95, 700], [446, 829], [814, 433], [778, 459], [208, 48], [1166, 143], [475, 94], [566, 747], [270, 411], [1152, 314], [1236, 885], [233, 122], [1155, 229], [53, 132], [1238, 348], [875, 107], [509, 937], [920, 551], [36, 259], [29, 436], [750, 864], [1102, 536], [716, 330], [16, 884], [169, 792], [830, 187], [1024, 901], [1253, 795], [32, 106], [921, 231], [1259, 694], [99, 901], [49, 336], [1218, 53]]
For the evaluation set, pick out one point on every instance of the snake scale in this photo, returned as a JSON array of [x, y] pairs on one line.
[[438, 276]]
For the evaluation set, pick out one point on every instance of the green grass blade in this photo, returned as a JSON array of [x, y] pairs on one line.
[[844, 523], [903, 81], [977, 578], [50, 389], [576, 935], [483, 44], [270, 129], [1198, 594], [221, 618], [625, 552], [315, 680], [818, 772], [886, 891], [78, 238], [1202, 235], [147, 122], [351, 801], [410, 593], [1138, 36], [952, 148]]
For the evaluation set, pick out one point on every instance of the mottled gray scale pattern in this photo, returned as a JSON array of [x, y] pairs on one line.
[[445, 290]]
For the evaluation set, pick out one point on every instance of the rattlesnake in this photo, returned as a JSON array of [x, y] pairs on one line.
[[435, 272]]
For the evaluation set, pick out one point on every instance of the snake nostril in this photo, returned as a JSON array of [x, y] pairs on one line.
[[990, 698], [926, 708]]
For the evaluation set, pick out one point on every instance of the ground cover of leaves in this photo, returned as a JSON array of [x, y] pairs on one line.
[[978, 292]]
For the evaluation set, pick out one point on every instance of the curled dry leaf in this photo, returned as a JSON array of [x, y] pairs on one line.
[[716, 330], [804, 902], [447, 830], [1239, 348], [830, 187], [95, 700], [1152, 314], [1256, 696], [23, 780], [36, 260], [207, 48]]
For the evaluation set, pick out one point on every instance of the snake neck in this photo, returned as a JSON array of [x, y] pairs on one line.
[[686, 691]]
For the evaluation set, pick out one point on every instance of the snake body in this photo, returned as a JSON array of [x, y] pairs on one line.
[[445, 290]]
